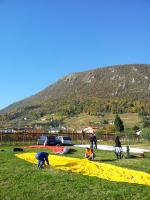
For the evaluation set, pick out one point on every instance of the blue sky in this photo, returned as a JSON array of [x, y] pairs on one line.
[[43, 40]]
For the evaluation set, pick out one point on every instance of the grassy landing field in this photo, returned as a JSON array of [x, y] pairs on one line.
[[21, 180]]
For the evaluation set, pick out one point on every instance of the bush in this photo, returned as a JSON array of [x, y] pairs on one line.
[[135, 128], [146, 133], [110, 128], [98, 132], [146, 123], [105, 121]]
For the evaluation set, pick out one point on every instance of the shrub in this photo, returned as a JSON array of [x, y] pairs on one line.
[[135, 128], [146, 133]]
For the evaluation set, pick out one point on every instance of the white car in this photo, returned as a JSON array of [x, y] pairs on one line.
[[64, 140]]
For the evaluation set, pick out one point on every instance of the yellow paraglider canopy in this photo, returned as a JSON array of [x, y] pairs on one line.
[[86, 167]]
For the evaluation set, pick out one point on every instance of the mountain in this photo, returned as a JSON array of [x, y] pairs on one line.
[[109, 83]]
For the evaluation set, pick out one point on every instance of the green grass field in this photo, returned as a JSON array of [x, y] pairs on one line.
[[20, 180]]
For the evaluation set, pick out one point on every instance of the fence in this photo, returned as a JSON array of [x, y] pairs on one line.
[[5, 137], [76, 137]]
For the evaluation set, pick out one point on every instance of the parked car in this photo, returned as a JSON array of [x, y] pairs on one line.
[[54, 130], [64, 140], [48, 140]]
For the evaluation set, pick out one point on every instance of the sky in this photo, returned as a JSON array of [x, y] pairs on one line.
[[44, 40]]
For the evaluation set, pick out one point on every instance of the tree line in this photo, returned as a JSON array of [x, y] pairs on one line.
[[70, 107]]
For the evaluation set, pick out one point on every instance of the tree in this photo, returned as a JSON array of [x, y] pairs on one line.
[[118, 124]]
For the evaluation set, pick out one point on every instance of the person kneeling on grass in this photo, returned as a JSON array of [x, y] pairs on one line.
[[89, 154], [42, 157]]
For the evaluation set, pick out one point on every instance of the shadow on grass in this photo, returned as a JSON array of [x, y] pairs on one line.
[[106, 160], [112, 160], [72, 151]]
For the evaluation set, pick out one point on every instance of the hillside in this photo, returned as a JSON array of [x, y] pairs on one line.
[[129, 83]]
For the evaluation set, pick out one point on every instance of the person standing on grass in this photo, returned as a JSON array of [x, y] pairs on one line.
[[45, 142], [95, 141], [92, 141], [42, 157], [118, 147]]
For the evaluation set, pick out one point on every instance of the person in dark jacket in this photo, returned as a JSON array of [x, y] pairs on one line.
[[117, 142], [118, 148], [91, 141], [42, 157], [95, 141]]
